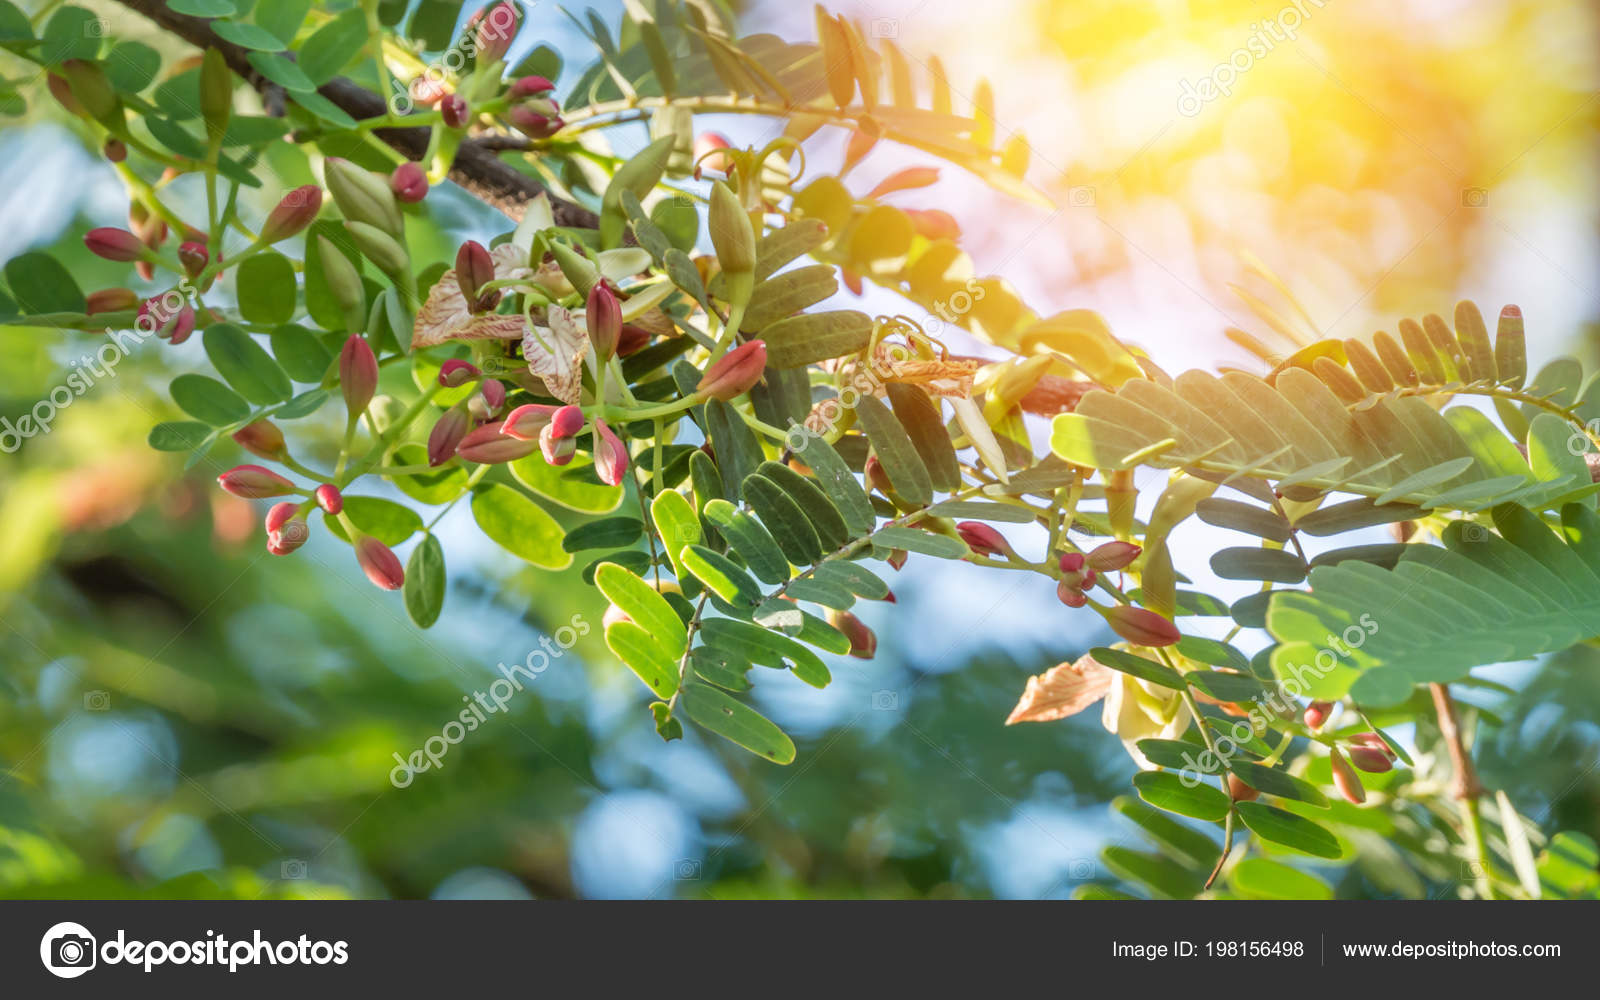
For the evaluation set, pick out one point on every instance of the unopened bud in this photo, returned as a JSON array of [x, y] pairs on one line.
[[363, 196], [1370, 759], [983, 539], [280, 514], [1071, 594], [494, 29], [114, 244], [216, 94], [358, 374], [632, 340], [731, 234], [487, 446], [474, 269], [114, 150], [1316, 714], [193, 257], [735, 372], [876, 478], [1141, 626], [610, 457], [1238, 791], [456, 372], [409, 183], [534, 125], [603, 314], [526, 422], [254, 482], [110, 300], [380, 563], [455, 111], [933, 224], [494, 395], [261, 438], [293, 213], [707, 155], [1112, 556], [447, 434], [344, 283], [61, 90], [897, 559], [182, 327], [1345, 778], [863, 643], [380, 248], [329, 498], [288, 538], [529, 86]]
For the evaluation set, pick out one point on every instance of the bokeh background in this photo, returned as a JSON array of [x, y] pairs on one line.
[[183, 715]]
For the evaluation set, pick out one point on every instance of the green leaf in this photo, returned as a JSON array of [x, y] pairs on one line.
[[829, 595], [520, 526], [1277, 782], [440, 486], [303, 405], [752, 541], [678, 221], [925, 542], [332, 46], [1138, 666], [130, 66], [853, 577], [808, 338], [713, 710], [178, 435], [573, 486], [282, 17], [281, 71], [425, 579], [204, 8], [1213, 652], [1164, 877], [1352, 515], [41, 285], [721, 574], [389, 522], [1179, 839], [1238, 516], [819, 510], [632, 560], [904, 467], [1181, 755], [784, 519], [303, 357], [71, 33], [1289, 830], [677, 524], [738, 450], [646, 657], [246, 365], [248, 36], [1237, 688], [208, 400], [1251, 563], [835, 479], [642, 603], [785, 294], [1168, 792], [606, 533], [919, 414], [1263, 878], [977, 510], [765, 647]]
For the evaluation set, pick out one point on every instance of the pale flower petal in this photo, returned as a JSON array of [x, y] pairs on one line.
[[1065, 689], [623, 262], [556, 354]]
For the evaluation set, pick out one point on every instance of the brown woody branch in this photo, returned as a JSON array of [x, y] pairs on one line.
[[477, 168], [1465, 784]]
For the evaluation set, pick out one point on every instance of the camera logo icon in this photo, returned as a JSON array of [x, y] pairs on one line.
[[686, 870], [1474, 197], [886, 701], [96, 701], [68, 950], [1081, 197], [293, 868]]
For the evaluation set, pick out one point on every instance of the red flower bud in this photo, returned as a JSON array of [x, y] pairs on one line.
[[533, 124], [380, 564], [358, 374], [115, 150], [1316, 714], [1141, 626], [556, 450], [983, 539], [897, 558], [457, 372], [632, 340], [494, 29], [292, 214], [261, 438], [494, 394], [110, 300], [1345, 778], [409, 183], [181, 327], [1112, 556], [528, 86], [474, 268], [735, 372], [114, 244], [1071, 562], [288, 538], [610, 457], [193, 257], [454, 110], [526, 422], [932, 224], [447, 434], [487, 446], [876, 478], [1071, 594], [280, 514], [1371, 760], [603, 314], [1238, 791], [61, 90], [863, 643], [254, 482], [329, 498], [706, 146]]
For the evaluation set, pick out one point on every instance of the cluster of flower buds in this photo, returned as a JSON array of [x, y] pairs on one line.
[[863, 643], [536, 113], [285, 531], [1076, 577], [1366, 752], [173, 326]]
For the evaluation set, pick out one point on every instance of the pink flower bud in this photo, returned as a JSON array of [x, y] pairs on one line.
[[409, 183], [115, 150], [358, 374], [380, 564], [706, 146], [603, 313], [110, 300], [182, 326], [610, 457], [983, 539], [114, 244], [447, 435], [494, 29], [735, 372], [1371, 760], [290, 537], [1316, 714], [487, 446], [1112, 556], [556, 450], [897, 558], [1070, 594], [454, 110], [61, 90], [261, 438], [329, 498], [254, 482], [533, 124], [457, 372], [280, 514], [1141, 626], [294, 213], [193, 257], [1345, 778], [528, 86], [863, 643], [1071, 562], [474, 268], [1238, 791], [612, 616], [632, 340], [526, 422], [567, 422], [876, 478], [494, 394], [1075, 574]]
